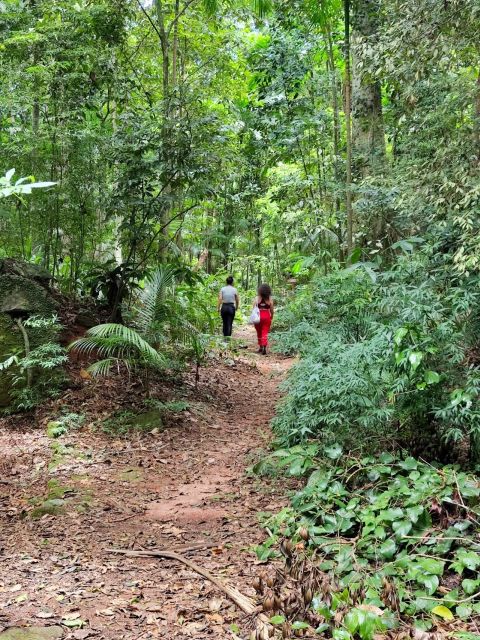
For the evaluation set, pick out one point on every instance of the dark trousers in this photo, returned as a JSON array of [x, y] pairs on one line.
[[228, 314]]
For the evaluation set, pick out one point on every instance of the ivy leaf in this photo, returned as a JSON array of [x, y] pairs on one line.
[[431, 377], [409, 464], [402, 527], [429, 582], [299, 625], [463, 611], [415, 358], [443, 612], [334, 452], [387, 549], [470, 586], [430, 565]]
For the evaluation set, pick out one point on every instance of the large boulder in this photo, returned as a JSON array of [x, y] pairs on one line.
[[23, 293]]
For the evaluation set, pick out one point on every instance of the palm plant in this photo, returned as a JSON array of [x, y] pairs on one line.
[[134, 348], [160, 317]]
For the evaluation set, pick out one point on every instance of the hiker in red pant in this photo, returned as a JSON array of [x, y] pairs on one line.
[[264, 302]]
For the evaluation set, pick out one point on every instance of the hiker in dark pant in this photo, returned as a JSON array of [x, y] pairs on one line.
[[228, 302]]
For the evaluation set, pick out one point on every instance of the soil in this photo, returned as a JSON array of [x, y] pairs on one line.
[[182, 486]]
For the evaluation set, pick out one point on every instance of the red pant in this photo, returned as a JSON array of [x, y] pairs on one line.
[[263, 327]]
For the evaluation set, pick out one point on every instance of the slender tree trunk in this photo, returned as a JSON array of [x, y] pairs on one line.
[[175, 45], [348, 128], [368, 135], [26, 344]]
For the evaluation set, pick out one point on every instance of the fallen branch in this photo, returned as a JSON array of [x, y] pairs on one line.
[[129, 517], [244, 603]]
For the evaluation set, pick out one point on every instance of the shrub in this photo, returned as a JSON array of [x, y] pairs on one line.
[[387, 359]]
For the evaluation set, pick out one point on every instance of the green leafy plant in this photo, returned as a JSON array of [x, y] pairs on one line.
[[388, 357], [36, 373], [395, 539]]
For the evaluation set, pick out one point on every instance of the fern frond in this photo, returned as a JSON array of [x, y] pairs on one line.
[[211, 7]]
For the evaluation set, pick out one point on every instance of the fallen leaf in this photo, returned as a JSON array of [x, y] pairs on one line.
[[372, 608], [215, 604], [73, 615], [443, 612]]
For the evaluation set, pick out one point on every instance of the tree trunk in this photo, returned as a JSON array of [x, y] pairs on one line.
[[348, 127], [368, 135]]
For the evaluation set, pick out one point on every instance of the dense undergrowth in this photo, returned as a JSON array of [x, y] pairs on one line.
[[374, 543], [388, 360], [381, 418]]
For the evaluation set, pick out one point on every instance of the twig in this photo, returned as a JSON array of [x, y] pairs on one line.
[[472, 597], [132, 515], [243, 602]]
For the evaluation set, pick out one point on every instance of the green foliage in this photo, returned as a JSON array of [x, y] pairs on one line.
[[120, 345], [38, 373], [384, 362], [64, 423], [395, 536]]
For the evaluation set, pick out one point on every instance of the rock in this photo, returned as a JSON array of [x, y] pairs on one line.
[[85, 319], [12, 267], [32, 633], [18, 294], [22, 293]]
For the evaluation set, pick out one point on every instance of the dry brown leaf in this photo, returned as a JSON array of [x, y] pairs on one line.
[[215, 604], [45, 615]]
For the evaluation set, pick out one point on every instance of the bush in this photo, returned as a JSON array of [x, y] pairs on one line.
[[387, 360], [388, 535]]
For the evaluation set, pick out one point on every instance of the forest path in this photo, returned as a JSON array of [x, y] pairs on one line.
[[175, 488]]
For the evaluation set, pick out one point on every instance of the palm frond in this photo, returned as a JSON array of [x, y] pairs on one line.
[[102, 368], [119, 342], [153, 297]]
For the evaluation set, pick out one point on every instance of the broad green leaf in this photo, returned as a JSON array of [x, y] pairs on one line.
[[443, 612], [463, 611], [470, 586], [430, 582], [430, 565], [300, 625], [387, 549], [334, 452], [402, 527], [415, 358], [431, 377]]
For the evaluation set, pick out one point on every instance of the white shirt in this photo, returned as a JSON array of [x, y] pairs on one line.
[[228, 294]]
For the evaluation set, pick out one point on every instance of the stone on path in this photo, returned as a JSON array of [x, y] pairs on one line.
[[32, 633]]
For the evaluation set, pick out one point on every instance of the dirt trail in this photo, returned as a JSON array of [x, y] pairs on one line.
[[174, 488]]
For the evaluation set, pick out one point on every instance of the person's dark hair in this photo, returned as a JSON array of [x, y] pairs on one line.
[[264, 291], [230, 280]]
